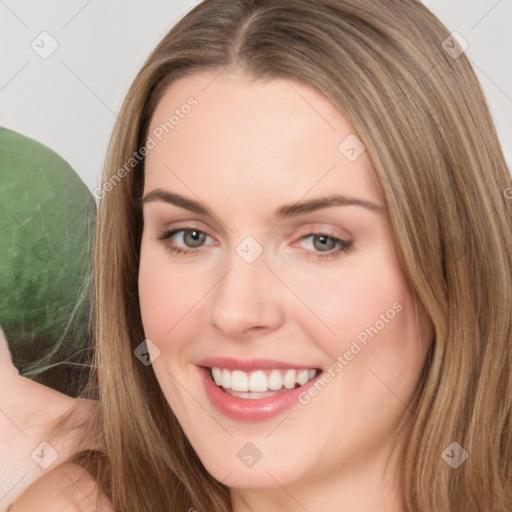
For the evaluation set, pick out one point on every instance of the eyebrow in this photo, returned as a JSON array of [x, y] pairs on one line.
[[289, 210]]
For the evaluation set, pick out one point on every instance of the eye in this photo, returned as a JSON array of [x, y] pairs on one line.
[[191, 238], [325, 245], [188, 240]]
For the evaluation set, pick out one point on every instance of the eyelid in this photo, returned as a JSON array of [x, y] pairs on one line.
[[185, 226], [321, 229], [344, 245], [315, 229], [169, 232], [342, 242]]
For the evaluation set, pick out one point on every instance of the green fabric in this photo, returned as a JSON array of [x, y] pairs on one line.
[[47, 217]]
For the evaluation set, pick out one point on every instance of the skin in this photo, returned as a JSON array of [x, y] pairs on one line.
[[247, 148], [27, 410]]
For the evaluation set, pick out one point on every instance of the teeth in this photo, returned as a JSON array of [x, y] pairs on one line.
[[289, 379], [261, 381], [275, 380], [239, 380], [226, 378], [303, 376], [217, 376], [258, 381]]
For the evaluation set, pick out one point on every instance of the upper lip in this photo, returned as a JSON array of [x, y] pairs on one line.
[[249, 364]]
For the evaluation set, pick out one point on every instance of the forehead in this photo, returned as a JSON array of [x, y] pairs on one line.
[[221, 135]]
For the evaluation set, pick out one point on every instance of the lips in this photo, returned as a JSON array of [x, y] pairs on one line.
[[254, 390], [248, 365]]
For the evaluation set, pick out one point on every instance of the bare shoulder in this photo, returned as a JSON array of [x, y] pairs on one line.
[[66, 488]]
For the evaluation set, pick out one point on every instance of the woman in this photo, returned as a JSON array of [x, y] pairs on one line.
[[28, 411], [302, 272]]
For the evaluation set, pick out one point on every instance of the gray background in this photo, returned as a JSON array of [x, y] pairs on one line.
[[69, 100]]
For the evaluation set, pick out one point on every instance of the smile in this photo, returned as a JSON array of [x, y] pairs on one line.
[[261, 383], [255, 390]]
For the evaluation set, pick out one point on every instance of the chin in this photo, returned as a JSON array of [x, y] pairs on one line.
[[244, 466]]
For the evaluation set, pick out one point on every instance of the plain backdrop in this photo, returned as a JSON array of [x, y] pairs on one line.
[[69, 100]]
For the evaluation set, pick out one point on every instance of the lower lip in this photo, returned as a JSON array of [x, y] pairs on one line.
[[247, 409]]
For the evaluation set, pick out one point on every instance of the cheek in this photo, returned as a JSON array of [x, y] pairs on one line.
[[162, 296], [171, 299], [346, 300], [364, 313]]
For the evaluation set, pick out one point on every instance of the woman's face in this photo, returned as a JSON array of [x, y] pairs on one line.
[[272, 283]]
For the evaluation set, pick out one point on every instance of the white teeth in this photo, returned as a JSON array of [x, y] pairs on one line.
[[258, 381], [261, 381], [217, 376], [303, 376], [226, 379], [275, 380], [249, 394], [239, 380], [289, 379]]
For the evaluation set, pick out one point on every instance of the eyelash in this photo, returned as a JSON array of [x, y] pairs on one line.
[[343, 245]]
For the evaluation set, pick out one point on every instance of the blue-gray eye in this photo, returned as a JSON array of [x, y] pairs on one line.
[[325, 243], [193, 238]]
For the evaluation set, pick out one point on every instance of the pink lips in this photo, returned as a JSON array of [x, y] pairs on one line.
[[248, 365], [245, 409]]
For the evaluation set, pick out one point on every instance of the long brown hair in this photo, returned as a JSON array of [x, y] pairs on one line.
[[420, 111]]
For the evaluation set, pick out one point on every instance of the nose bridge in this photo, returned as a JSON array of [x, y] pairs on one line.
[[245, 297]]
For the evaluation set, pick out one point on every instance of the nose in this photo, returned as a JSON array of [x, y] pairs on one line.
[[246, 300]]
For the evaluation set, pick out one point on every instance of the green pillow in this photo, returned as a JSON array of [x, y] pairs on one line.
[[47, 217]]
